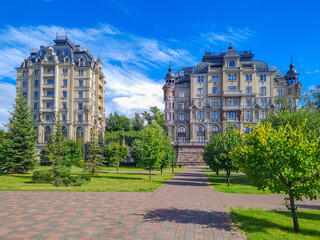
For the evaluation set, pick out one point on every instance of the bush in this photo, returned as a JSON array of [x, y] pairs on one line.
[[43, 176], [62, 177]]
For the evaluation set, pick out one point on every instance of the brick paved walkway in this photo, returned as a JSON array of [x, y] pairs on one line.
[[184, 208]]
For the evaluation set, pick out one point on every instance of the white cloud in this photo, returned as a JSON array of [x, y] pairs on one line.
[[313, 72], [7, 95]]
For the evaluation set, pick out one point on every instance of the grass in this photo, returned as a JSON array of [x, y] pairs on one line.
[[102, 182], [264, 225], [239, 184], [177, 169]]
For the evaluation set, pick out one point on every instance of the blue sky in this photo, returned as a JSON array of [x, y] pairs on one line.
[[136, 39]]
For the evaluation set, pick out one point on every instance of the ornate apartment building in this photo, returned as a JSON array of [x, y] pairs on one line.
[[225, 87], [67, 83]]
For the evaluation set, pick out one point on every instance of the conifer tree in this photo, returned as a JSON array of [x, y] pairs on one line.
[[20, 142]]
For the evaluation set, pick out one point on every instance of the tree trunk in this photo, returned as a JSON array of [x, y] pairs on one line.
[[149, 174], [161, 170], [228, 177], [217, 172], [117, 168], [294, 214]]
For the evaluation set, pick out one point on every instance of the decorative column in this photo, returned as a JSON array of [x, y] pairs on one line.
[[56, 88], [41, 89]]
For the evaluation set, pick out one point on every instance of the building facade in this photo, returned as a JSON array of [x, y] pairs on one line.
[[67, 83], [225, 87]]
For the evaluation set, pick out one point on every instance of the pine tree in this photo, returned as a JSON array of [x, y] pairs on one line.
[[57, 148], [20, 142], [93, 157]]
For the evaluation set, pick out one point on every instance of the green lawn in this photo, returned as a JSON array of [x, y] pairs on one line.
[[239, 184], [103, 182], [177, 169], [264, 225]]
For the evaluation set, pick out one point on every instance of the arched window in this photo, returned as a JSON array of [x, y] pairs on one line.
[[65, 132], [214, 78], [80, 133], [250, 77], [264, 77], [181, 116], [214, 90], [200, 134], [181, 134], [214, 129], [199, 79], [229, 77], [232, 64], [235, 77], [47, 133], [247, 78], [261, 77]]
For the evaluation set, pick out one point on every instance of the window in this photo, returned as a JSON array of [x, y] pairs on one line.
[[262, 115], [50, 93], [65, 52], [47, 133], [36, 72], [64, 94], [36, 94], [248, 102], [80, 117], [49, 117], [215, 103], [279, 105], [65, 132], [200, 134], [248, 115], [181, 94], [35, 105], [169, 116], [232, 102], [200, 79], [64, 105], [263, 102], [181, 105], [49, 104], [80, 94], [200, 91], [200, 115], [263, 90], [247, 78], [181, 134], [169, 104], [214, 90], [200, 104], [247, 129], [232, 89], [232, 77], [36, 83], [65, 71], [80, 83], [263, 78], [214, 129], [65, 82], [64, 116], [214, 115], [250, 77], [232, 64], [279, 92], [181, 116], [25, 84], [50, 81], [25, 94], [249, 89], [35, 116], [231, 115], [214, 78], [80, 72], [181, 130], [50, 70], [80, 106], [79, 133]]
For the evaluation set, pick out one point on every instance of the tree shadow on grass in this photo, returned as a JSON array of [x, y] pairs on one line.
[[257, 225], [306, 206], [234, 179], [119, 177], [301, 215], [213, 219]]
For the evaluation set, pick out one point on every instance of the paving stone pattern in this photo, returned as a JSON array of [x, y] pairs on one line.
[[186, 207]]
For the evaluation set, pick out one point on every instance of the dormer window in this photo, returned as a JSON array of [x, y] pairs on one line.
[[81, 63], [66, 60], [65, 52], [232, 64], [200, 79]]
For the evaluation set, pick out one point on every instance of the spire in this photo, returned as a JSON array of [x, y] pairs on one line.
[[291, 65], [230, 47], [170, 68]]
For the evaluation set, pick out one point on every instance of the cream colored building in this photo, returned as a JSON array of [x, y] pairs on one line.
[[67, 83], [225, 87]]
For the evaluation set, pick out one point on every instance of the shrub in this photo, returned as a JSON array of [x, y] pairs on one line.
[[43, 176], [62, 177]]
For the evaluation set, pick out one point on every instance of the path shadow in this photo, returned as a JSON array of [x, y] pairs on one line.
[[214, 219], [186, 183], [306, 206]]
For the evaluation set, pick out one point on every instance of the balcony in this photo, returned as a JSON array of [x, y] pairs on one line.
[[46, 97], [46, 109], [232, 93], [231, 107], [46, 86], [48, 74]]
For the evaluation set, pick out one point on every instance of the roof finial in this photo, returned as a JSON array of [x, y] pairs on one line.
[[170, 68], [230, 47], [291, 59]]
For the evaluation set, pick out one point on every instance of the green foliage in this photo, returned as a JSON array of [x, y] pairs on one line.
[[74, 152], [138, 122], [116, 153], [119, 136], [43, 176], [115, 122], [93, 157], [63, 177], [136, 151], [156, 115], [311, 98], [56, 148], [285, 159], [19, 145], [216, 151], [310, 117]]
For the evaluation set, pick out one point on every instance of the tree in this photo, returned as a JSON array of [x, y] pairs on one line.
[[137, 123], [168, 156], [74, 152], [57, 149], [311, 97], [117, 153], [103, 147], [93, 157], [152, 141], [136, 151], [219, 147], [156, 115], [286, 160], [115, 122], [20, 142]]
